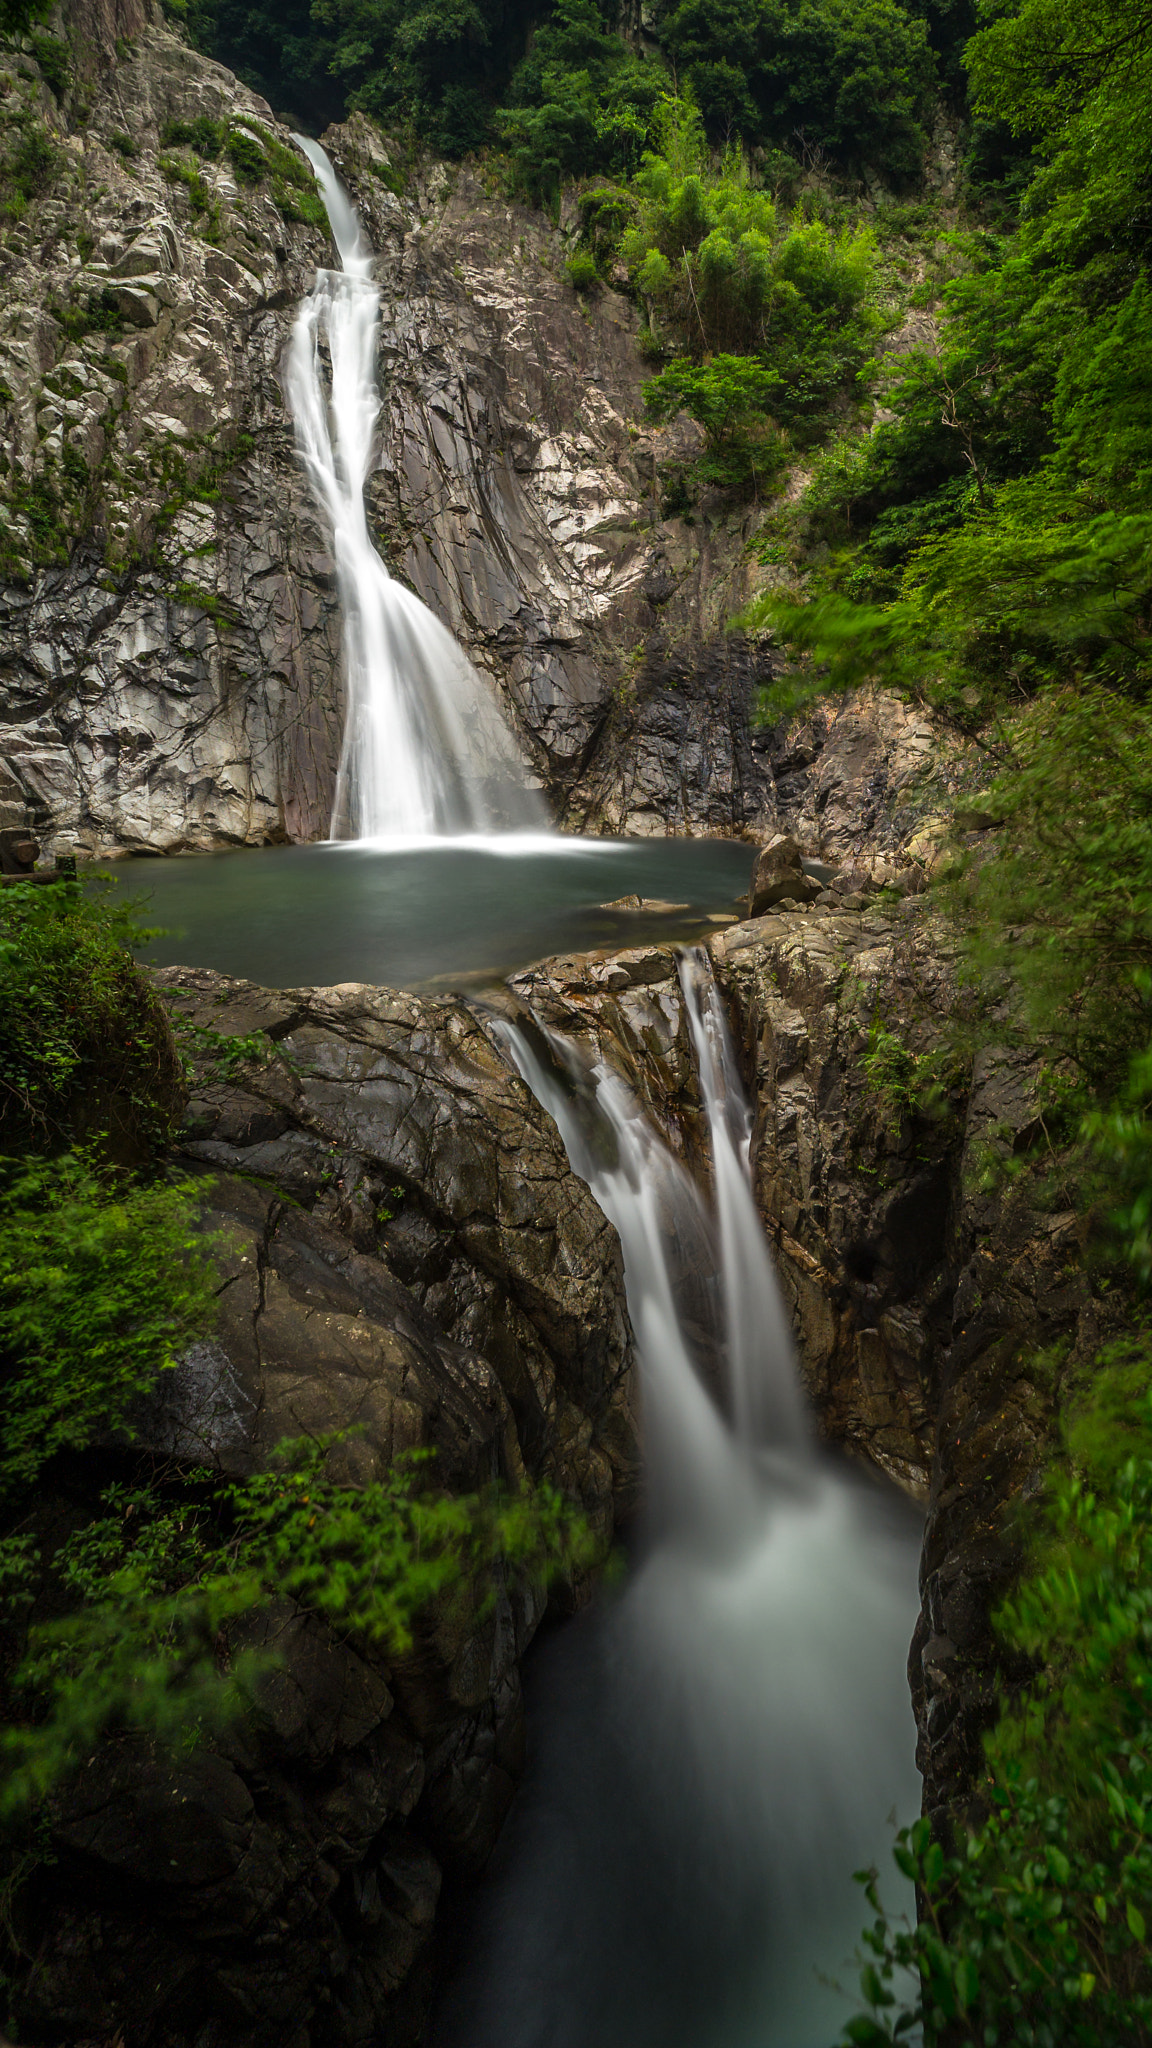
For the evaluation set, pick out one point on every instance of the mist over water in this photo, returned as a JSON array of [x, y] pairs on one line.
[[425, 748], [717, 1750]]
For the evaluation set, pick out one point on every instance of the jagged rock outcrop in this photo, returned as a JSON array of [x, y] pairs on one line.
[[405, 1254]]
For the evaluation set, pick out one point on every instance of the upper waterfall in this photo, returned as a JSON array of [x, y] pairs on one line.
[[426, 751]]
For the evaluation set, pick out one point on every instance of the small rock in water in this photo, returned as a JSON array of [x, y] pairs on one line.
[[643, 903]]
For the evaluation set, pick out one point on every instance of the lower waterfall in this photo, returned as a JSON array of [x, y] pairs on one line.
[[425, 749], [717, 1749]]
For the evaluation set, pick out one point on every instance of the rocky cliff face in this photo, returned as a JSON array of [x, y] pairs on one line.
[[171, 671], [404, 1254]]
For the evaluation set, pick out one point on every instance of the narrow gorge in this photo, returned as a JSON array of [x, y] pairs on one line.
[[595, 1140]]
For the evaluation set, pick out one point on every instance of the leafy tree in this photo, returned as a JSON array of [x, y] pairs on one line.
[[710, 259], [847, 79], [729, 396], [1006, 505], [580, 102]]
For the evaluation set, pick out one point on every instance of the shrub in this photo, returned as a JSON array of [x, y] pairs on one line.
[[582, 271], [204, 135], [246, 157], [604, 214], [28, 167], [1034, 1929], [55, 61], [84, 1041], [101, 1287]]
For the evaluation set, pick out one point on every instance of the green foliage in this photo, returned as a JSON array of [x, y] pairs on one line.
[[84, 1042], [54, 59], [47, 504], [162, 1577], [202, 200], [95, 313], [605, 212], [246, 157], [17, 16], [206, 136], [779, 319], [582, 271], [999, 524], [100, 1290], [846, 80], [1063, 915], [580, 102], [729, 396], [557, 82], [255, 154], [28, 165], [907, 1084], [1035, 1931], [219, 1055]]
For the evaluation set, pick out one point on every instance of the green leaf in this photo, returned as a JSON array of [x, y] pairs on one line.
[[875, 1990], [863, 2032]]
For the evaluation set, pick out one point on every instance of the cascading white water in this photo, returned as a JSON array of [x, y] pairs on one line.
[[425, 750], [726, 1743], [767, 1403]]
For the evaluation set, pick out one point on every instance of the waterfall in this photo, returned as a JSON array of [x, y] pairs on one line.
[[426, 751], [721, 1746]]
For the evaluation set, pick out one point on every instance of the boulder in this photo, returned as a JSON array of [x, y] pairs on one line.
[[779, 877]]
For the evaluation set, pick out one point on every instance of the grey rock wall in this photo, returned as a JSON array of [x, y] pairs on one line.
[[169, 639]]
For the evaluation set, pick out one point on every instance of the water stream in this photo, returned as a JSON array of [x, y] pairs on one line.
[[425, 748], [716, 1750]]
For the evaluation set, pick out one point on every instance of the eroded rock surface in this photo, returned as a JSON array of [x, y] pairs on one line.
[[404, 1254], [398, 1125]]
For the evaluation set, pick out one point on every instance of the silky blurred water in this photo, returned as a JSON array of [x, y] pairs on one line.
[[717, 1749]]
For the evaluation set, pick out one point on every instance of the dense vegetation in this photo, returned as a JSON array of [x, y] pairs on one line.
[[571, 86]]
